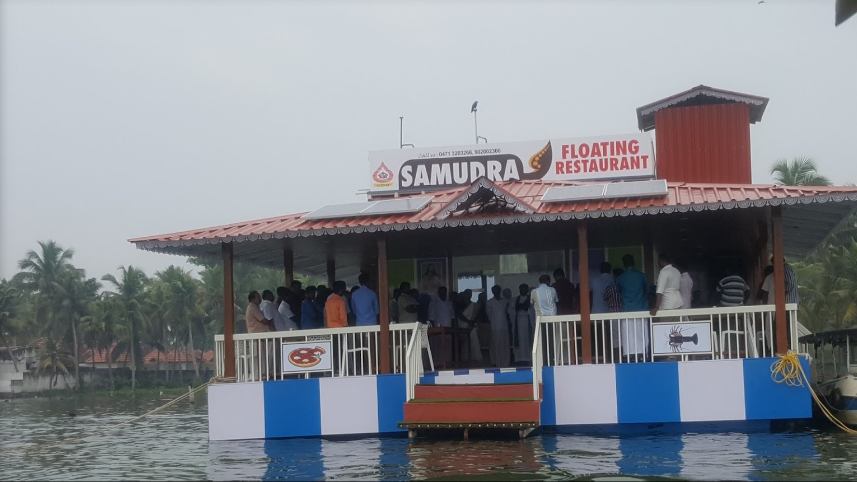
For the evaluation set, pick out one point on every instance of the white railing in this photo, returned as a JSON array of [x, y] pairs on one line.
[[537, 361], [355, 351], [734, 333], [414, 357]]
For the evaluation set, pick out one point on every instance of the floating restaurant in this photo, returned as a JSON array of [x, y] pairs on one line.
[[504, 214]]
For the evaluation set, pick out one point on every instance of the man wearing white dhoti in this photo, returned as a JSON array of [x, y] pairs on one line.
[[498, 317], [523, 318], [467, 319], [634, 288]]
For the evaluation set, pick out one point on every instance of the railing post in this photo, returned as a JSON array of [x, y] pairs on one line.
[[228, 312], [779, 280], [583, 276]]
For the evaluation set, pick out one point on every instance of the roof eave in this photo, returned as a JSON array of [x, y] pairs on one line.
[[646, 113]]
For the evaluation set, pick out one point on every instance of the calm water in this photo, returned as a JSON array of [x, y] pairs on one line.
[[173, 445]]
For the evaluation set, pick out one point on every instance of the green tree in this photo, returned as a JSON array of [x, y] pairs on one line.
[[800, 171], [130, 292], [76, 294], [8, 304], [159, 328], [41, 273], [183, 310], [54, 360], [103, 327]]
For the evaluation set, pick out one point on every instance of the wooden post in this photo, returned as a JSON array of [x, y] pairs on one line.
[[779, 280], [583, 277], [228, 312], [384, 306], [331, 271], [289, 266]]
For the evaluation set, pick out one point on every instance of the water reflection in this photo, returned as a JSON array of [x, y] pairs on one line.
[[173, 445]]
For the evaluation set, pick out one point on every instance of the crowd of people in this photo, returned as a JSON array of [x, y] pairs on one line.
[[511, 318]]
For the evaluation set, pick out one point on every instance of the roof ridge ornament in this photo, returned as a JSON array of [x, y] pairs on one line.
[[475, 193]]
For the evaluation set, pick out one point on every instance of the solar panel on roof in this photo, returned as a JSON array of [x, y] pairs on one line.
[[338, 210], [371, 208], [588, 192], [656, 187], [573, 193], [397, 206]]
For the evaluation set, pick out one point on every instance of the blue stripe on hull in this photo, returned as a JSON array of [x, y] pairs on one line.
[[391, 402], [648, 392], [292, 408], [766, 399]]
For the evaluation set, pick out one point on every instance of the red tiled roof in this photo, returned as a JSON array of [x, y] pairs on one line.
[[681, 197], [100, 356], [171, 355]]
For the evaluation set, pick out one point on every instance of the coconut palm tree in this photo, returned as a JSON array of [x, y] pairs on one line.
[[800, 171], [40, 274], [103, 328], [54, 361], [130, 292], [76, 294], [8, 303], [156, 306], [183, 311]]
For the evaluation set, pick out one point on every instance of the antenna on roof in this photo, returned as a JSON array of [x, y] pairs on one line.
[[475, 124], [401, 122]]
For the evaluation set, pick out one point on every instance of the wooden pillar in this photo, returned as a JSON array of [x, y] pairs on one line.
[[331, 270], [384, 306], [289, 266], [228, 312], [583, 277], [779, 280]]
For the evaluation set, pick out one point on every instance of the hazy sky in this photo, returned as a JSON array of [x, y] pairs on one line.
[[129, 118]]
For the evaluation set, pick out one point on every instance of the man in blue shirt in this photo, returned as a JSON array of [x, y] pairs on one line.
[[634, 288], [364, 302], [312, 318]]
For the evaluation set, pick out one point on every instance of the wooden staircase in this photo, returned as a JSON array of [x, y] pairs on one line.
[[482, 406]]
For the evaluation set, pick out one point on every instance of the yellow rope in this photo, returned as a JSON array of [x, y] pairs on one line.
[[788, 370], [136, 419]]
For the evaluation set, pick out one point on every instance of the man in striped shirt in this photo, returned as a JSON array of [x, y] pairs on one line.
[[733, 290], [792, 295]]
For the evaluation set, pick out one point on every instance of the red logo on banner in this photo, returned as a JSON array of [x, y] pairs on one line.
[[383, 175]]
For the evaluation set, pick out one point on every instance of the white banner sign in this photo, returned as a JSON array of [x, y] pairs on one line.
[[681, 338], [311, 356], [629, 156]]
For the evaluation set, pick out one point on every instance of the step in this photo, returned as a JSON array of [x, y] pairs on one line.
[[454, 425], [475, 411], [438, 392], [478, 376]]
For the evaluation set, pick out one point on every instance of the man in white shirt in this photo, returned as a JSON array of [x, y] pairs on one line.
[[440, 315], [685, 287], [441, 311], [598, 285], [287, 316], [497, 311], [544, 297], [669, 283], [270, 311]]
